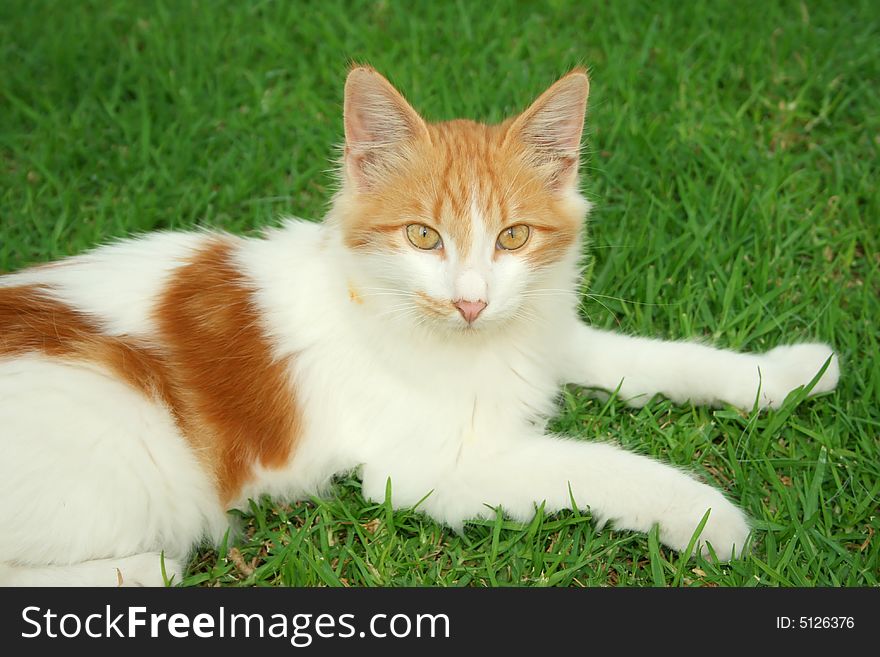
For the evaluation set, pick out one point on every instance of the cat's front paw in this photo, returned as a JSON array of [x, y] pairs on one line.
[[726, 529], [787, 367]]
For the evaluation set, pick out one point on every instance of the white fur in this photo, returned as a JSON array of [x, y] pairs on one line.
[[106, 280], [91, 470], [96, 477]]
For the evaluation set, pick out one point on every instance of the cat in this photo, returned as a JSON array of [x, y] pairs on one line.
[[420, 334]]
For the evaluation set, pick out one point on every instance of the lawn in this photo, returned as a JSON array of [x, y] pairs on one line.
[[731, 152]]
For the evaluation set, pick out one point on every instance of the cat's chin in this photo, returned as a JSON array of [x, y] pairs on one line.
[[452, 327], [458, 329], [482, 327]]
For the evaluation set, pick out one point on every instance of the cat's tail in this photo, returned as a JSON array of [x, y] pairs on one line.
[[136, 570]]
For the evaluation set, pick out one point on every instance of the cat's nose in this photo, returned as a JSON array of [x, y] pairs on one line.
[[470, 310]]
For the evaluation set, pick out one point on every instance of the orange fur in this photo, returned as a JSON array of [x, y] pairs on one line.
[[440, 174], [238, 398], [353, 294], [34, 322], [215, 372], [434, 306]]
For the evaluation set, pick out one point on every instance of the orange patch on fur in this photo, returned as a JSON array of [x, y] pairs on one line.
[[353, 295], [238, 398], [432, 305], [32, 321], [214, 370]]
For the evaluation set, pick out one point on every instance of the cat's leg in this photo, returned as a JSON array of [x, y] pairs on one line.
[[631, 491], [686, 371], [134, 570]]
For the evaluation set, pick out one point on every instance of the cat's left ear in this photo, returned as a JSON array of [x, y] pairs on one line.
[[551, 128]]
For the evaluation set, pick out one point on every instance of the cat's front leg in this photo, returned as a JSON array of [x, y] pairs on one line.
[[632, 492], [685, 371]]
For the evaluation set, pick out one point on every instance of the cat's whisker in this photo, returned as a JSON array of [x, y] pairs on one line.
[[399, 295], [605, 306], [531, 295], [397, 311], [596, 297], [385, 289]]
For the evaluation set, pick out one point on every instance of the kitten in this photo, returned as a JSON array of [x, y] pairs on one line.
[[420, 333]]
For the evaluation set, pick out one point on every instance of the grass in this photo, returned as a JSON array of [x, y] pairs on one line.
[[732, 156]]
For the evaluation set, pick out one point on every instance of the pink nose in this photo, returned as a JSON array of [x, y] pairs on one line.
[[470, 310]]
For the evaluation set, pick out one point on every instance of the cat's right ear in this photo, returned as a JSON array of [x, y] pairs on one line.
[[380, 127]]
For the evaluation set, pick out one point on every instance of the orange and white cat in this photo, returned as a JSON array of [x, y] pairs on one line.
[[420, 333]]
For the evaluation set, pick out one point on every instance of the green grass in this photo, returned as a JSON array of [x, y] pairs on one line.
[[732, 155]]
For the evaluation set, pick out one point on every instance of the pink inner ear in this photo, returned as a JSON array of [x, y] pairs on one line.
[[552, 126], [567, 136], [564, 173], [379, 123], [355, 128]]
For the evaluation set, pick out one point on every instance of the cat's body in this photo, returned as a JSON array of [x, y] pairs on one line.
[[150, 385]]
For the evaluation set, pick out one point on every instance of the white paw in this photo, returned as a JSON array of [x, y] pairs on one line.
[[785, 368], [726, 528]]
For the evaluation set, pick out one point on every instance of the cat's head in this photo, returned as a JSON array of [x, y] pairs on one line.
[[460, 225]]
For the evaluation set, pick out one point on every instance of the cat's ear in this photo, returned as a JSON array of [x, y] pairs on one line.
[[551, 128], [380, 127]]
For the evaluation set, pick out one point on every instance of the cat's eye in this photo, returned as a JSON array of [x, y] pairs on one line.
[[513, 238], [424, 237]]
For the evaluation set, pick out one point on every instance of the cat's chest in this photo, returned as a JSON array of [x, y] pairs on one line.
[[396, 394]]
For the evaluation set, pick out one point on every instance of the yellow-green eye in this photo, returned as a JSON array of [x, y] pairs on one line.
[[513, 238], [424, 237]]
